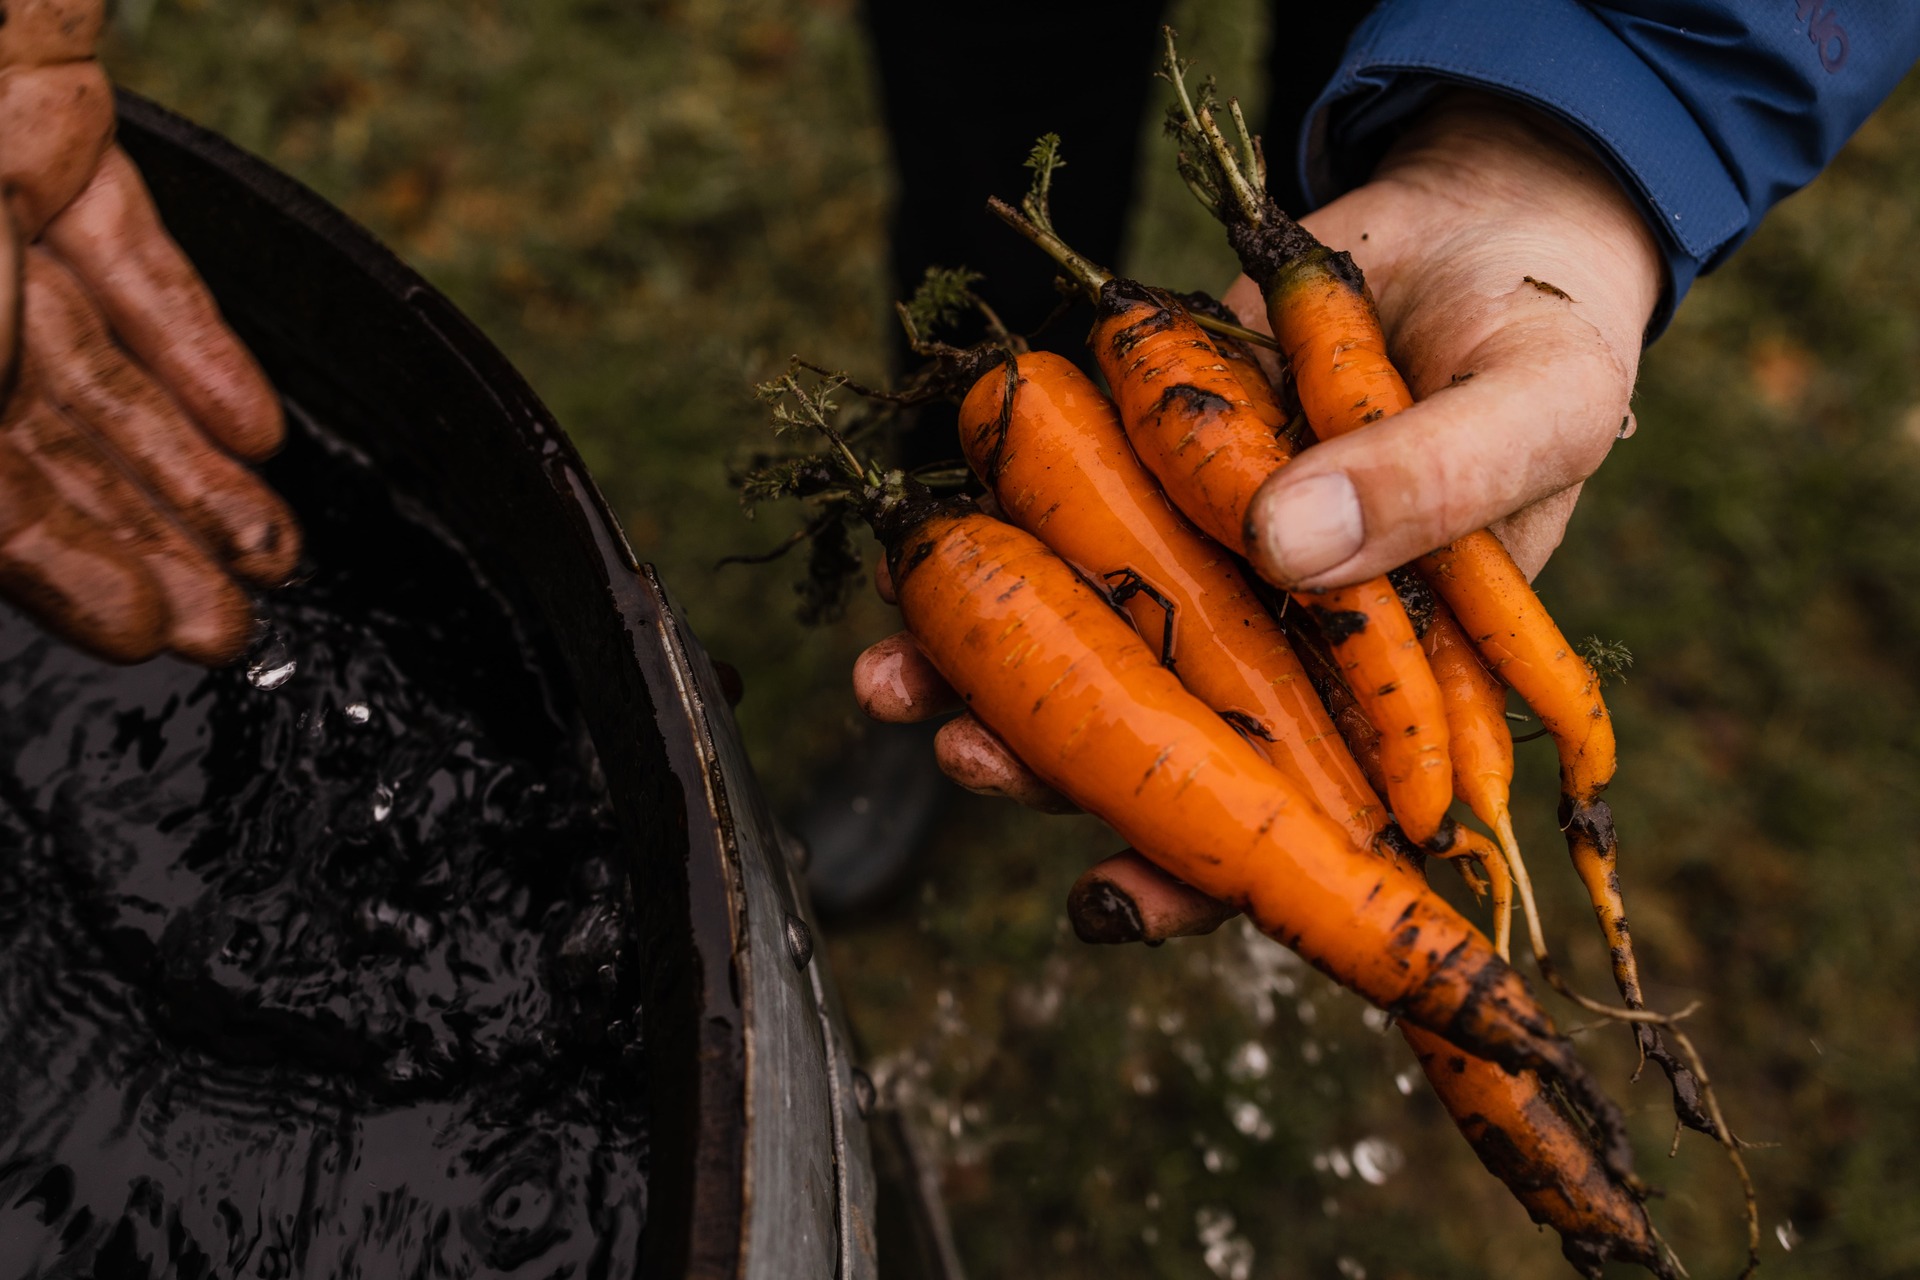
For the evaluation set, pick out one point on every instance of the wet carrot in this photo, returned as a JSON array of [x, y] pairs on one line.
[[1196, 431], [1480, 745], [1192, 425], [1052, 449], [1264, 402], [1078, 696], [1529, 1142], [1068, 685], [1514, 1124], [1324, 322]]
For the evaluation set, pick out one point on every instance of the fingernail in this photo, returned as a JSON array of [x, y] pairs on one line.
[[1305, 528], [1102, 913]]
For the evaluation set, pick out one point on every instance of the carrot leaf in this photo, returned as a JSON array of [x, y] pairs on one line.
[[1043, 160], [944, 295], [1609, 659]]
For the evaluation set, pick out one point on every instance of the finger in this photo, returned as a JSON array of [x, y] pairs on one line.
[[83, 371], [894, 683], [1128, 899], [1538, 416], [970, 754], [11, 306], [55, 122], [68, 574], [112, 240], [209, 618], [1534, 532], [38, 33]]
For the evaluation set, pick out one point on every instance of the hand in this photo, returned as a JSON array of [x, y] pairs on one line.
[[127, 522], [1522, 389], [1124, 898], [1476, 197]]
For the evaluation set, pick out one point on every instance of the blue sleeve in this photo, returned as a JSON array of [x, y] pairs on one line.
[[1710, 111]]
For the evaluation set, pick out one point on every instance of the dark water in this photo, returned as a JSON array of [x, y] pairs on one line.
[[311, 972]]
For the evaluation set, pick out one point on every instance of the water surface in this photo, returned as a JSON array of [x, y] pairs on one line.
[[309, 966]]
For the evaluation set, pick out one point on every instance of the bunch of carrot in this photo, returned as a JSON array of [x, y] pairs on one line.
[[1107, 631]]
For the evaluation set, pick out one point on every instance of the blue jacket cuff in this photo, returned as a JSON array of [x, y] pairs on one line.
[[1559, 57]]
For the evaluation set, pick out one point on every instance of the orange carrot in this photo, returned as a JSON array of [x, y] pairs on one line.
[[1528, 1141], [1069, 686], [1481, 747], [1192, 425], [1279, 415], [1324, 322], [1523, 1135], [1052, 449], [1077, 695]]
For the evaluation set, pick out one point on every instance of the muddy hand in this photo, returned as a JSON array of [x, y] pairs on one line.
[[1121, 899], [130, 400], [1125, 898]]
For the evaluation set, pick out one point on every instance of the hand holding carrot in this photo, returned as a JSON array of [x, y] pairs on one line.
[[1475, 198], [1515, 280]]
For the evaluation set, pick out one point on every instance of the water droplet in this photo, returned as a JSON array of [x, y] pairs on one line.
[[1350, 1269], [1330, 1207], [243, 945], [1376, 1160], [1145, 1083], [271, 665], [1035, 1004], [1336, 1163], [1249, 1119], [357, 712], [382, 802], [1150, 1234], [799, 941], [1376, 1019], [1249, 1062], [1153, 1202], [1217, 1160], [1786, 1235], [1170, 1021], [1310, 1051], [1226, 1254], [1404, 1083], [1306, 1012]]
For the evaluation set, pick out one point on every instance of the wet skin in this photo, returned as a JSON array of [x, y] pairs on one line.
[[131, 410]]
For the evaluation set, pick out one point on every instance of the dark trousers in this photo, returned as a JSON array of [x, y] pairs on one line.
[[967, 87]]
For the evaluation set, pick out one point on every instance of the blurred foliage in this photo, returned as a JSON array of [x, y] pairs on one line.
[[623, 198], [648, 205]]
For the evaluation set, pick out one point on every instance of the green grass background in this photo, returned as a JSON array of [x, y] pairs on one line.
[[648, 204]]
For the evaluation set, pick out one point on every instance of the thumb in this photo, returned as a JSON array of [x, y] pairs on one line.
[[1532, 416]]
